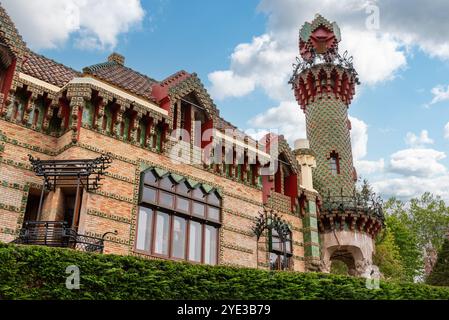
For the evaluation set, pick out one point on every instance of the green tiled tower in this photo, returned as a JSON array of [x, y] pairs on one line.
[[329, 135], [324, 85]]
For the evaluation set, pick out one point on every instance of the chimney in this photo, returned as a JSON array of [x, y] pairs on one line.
[[117, 58]]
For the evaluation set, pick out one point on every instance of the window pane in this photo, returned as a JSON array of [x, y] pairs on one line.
[[162, 233], [274, 261], [182, 188], [182, 204], [213, 213], [150, 178], [210, 243], [195, 241], [213, 199], [198, 194], [149, 195], [179, 238], [166, 183], [276, 244], [198, 209], [288, 246], [144, 229], [166, 199]]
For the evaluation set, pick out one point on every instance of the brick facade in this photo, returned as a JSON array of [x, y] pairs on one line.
[[50, 111]]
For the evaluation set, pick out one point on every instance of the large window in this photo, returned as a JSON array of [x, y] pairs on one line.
[[277, 258], [178, 222]]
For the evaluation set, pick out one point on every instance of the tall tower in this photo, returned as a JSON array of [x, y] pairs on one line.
[[324, 85]]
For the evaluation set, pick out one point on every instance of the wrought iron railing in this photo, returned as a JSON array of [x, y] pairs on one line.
[[344, 61], [58, 234], [357, 203]]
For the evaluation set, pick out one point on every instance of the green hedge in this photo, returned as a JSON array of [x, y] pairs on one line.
[[28, 272]]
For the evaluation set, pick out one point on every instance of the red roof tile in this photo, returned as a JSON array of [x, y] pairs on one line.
[[47, 70], [123, 77]]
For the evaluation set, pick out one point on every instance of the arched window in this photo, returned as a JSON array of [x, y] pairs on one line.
[[334, 163], [276, 246]]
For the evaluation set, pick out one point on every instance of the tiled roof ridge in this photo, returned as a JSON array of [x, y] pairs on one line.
[[101, 65], [175, 76], [50, 60], [11, 34], [96, 67]]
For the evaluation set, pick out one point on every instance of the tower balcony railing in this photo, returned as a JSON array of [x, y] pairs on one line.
[[343, 61], [58, 234], [356, 204]]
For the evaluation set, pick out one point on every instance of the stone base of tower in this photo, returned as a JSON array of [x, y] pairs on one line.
[[355, 249]]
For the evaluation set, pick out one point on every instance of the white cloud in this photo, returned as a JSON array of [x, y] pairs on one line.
[[446, 131], [359, 142], [440, 94], [415, 141], [411, 187], [367, 167], [359, 138], [410, 173], [93, 23], [418, 162], [227, 84], [377, 57], [287, 119], [264, 63]]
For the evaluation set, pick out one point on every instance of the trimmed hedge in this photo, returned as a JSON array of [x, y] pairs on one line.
[[28, 272]]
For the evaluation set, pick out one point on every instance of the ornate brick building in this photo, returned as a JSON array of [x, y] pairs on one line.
[[109, 158]]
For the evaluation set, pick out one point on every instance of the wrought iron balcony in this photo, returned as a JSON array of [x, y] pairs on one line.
[[356, 212], [357, 204], [58, 234]]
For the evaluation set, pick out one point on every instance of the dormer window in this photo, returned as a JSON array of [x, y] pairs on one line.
[[334, 163]]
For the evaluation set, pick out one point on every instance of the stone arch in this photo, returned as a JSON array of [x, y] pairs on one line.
[[346, 254], [353, 249]]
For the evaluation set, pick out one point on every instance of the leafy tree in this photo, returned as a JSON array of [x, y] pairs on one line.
[[366, 190], [399, 223], [419, 226], [430, 220], [440, 273], [388, 257]]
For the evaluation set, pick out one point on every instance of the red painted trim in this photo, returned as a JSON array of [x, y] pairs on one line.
[[267, 186], [291, 188], [207, 125], [9, 75]]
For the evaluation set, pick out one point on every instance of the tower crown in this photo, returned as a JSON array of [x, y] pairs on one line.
[[319, 37], [320, 69]]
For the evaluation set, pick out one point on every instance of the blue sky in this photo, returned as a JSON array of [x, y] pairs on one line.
[[243, 51]]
